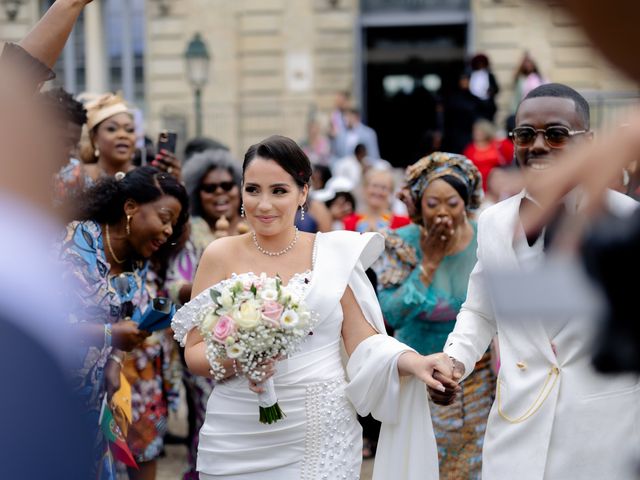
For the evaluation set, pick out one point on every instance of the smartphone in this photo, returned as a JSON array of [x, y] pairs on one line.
[[167, 141]]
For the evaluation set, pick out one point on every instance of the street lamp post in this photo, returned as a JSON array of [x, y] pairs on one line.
[[197, 58]]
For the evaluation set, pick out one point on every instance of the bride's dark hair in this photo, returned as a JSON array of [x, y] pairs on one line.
[[286, 153]]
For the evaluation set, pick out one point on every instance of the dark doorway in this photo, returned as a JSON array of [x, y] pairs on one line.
[[408, 71]]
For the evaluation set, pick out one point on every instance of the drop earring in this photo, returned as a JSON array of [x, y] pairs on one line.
[[96, 153], [242, 211], [128, 227], [301, 212]]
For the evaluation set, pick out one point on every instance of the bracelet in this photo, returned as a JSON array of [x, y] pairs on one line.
[[116, 359], [424, 276], [107, 335]]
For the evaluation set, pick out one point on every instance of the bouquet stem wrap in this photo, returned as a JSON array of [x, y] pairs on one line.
[[270, 411]]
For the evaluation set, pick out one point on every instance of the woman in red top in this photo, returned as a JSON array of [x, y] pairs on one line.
[[377, 215], [485, 151]]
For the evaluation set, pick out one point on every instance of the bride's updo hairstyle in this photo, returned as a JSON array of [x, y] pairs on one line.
[[286, 153]]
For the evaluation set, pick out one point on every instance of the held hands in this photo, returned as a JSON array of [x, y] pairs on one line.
[[447, 396], [126, 336], [437, 371]]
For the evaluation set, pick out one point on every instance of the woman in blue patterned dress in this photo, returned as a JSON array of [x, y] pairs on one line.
[[424, 283], [123, 222]]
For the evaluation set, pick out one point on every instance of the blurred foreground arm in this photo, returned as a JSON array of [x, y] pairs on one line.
[[593, 167], [47, 39]]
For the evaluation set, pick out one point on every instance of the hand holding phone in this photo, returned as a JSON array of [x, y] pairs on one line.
[[166, 159], [167, 141]]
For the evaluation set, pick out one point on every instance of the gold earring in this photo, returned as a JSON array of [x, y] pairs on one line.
[[128, 227]]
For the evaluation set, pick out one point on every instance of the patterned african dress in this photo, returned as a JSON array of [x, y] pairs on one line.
[[100, 298], [71, 181], [154, 371], [182, 269], [423, 317]]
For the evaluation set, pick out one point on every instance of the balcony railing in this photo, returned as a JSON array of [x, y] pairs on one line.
[[609, 108]]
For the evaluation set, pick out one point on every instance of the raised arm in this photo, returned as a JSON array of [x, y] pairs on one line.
[[48, 37]]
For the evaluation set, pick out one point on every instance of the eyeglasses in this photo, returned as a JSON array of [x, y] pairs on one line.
[[556, 137], [212, 187]]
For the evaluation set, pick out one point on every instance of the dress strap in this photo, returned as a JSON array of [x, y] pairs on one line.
[[337, 256]]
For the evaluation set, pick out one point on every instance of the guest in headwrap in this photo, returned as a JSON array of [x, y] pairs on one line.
[[107, 147], [424, 283]]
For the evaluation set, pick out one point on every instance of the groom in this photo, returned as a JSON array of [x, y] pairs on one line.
[[554, 416]]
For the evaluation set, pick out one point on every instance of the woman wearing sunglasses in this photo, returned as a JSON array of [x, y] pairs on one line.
[[213, 183]]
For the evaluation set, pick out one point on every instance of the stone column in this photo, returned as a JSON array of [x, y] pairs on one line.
[[96, 53]]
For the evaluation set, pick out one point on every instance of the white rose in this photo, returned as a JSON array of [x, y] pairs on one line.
[[208, 322], [226, 300], [289, 320], [247, 316], [269, 295]]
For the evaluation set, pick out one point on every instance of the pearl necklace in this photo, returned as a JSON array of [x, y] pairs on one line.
[[274, 254]]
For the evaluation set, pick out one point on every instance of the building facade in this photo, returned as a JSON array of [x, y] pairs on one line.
[[275, 63]]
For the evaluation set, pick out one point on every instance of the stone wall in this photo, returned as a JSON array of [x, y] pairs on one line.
[[504, 29], [276, 62]]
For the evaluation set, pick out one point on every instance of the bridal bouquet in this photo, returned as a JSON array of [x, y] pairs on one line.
[[253, 319]]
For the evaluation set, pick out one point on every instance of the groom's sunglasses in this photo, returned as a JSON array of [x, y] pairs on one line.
[[212, 187], [556, 137]]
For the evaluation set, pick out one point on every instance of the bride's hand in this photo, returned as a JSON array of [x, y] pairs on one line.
[[436, 371], [265, 371]]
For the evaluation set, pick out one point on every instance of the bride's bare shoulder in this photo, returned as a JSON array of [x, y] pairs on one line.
[[223, 250]]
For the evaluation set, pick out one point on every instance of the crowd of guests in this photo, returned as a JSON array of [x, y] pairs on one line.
[[138, 230], [135, 231]]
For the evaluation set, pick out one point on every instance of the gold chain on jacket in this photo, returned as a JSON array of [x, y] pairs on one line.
[[537, 403]]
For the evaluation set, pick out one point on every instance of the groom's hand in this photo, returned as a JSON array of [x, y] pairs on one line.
[[452, 387]]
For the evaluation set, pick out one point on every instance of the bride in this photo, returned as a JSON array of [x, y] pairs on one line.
[[320, 438]]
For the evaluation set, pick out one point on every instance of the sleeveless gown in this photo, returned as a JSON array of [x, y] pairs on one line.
[[320, 437]]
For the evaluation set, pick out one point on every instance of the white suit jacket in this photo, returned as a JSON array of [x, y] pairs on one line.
[[554, 416]]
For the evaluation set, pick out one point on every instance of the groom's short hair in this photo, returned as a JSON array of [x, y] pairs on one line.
[[559, 90]]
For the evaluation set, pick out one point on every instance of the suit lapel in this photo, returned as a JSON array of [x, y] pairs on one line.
[[504, 257]]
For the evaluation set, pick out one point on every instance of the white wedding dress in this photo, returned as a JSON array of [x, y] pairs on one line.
[[320, 438]]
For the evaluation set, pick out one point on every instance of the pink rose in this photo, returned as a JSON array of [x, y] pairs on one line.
[[271, 312], [225, 327]]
